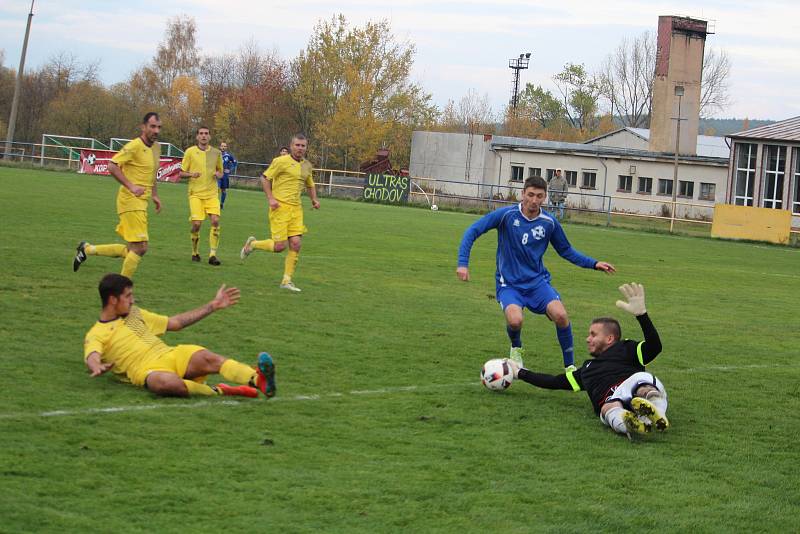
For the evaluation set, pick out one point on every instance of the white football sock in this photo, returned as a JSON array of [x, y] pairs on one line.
[[613, 418], [658, 400]]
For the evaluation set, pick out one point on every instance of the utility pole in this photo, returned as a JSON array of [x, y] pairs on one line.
[[679, 91], [12, 119]]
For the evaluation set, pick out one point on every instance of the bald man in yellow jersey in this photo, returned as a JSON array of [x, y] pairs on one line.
[[202, 164], [282, 182], [135, 168], [127, 340]]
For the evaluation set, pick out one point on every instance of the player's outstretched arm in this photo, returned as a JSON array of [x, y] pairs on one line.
[[605, 267], [634, 299], [96, 366], [635, 305], [225, 297]]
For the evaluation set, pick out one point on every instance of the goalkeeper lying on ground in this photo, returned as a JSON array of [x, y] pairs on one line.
[[623, 394], [126, 340]]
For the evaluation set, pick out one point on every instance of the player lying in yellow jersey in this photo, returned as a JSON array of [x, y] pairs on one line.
[[126, 340]]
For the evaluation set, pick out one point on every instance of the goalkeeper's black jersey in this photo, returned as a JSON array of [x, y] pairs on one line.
[[599, 376]]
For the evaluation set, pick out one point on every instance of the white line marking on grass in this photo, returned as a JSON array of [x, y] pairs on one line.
[[204, 403], [334, 395]]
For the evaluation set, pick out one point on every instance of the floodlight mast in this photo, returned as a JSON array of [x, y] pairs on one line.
[[12, 118], [517, 64]]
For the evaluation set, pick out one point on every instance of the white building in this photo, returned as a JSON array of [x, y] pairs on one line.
[[630, 177], [765, 168]]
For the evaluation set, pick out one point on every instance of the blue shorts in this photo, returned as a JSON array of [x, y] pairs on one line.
[[223, 182], [536, 300]]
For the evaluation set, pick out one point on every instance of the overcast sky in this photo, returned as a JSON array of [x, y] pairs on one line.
[[461, 44]]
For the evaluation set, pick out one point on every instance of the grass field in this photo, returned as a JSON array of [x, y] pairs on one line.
[[380, 424]]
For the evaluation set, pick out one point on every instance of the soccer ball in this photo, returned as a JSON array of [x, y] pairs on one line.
[[434, 207], [496, 374]]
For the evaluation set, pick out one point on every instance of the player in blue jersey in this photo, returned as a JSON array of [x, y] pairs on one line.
[[523, 233], [229, 165]]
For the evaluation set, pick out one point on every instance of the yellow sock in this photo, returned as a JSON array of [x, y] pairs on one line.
[[114, 251], [237, 372], [195, 243], [289, 264], [196, 388], [213, 240], [267, 244], [130, 264]]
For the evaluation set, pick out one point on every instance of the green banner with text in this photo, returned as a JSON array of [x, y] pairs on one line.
[[387, 188]]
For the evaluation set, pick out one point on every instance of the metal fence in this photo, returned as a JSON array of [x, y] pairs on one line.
[[585, 205]]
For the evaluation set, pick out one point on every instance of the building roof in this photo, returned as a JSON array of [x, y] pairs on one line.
[[787, 130], [707, 145], [520, 143]]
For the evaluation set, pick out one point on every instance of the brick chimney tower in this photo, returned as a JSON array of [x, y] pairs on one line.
[[679, 64]]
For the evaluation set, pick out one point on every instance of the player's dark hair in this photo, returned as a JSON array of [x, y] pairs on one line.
[[610, 325], [113, 285], [536, 182], [286, 148], [202, 128], [149, 115]]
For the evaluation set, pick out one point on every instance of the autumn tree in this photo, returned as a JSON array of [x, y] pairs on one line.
[[472, 114], [351, 89], [44, 85], [579, 92], [87, 109], [626, 80], [627, 74], [715, 85], [153, 86]]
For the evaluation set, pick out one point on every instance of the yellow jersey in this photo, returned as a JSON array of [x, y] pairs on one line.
[[139, 164], [288, 177], [206, 162], [128, 342]]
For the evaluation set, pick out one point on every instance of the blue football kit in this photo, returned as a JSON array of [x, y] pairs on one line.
[[229, 165], [521, 277]]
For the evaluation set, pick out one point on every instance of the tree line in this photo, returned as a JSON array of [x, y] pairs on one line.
[[349, 90]]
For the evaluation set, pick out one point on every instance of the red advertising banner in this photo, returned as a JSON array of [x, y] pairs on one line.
[[96, 162]]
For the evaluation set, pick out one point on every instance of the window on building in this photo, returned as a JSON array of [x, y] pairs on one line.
[[550, 174], [572, 178], [685, 188], [745, 174], [796, 190], [645, 185], [534, 171], [708, 191], [625, 183], [664, 187], [589, 179], [774, 169], [517, 173]]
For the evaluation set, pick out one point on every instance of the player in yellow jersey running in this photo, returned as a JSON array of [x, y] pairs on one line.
[[202, 164], [135, 168], [126, 340], [282, 182]]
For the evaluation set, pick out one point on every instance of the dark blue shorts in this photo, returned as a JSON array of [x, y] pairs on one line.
[[536, 300], [223, 182]]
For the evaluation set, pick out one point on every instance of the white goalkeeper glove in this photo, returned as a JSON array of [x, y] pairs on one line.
[[635, 294]]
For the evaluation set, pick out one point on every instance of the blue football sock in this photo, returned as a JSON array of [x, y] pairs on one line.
[[514, 336], [565, 340], [222, 198]]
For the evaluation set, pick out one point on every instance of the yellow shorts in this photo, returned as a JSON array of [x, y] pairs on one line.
[[132, 226], [175, 361], [286, 221], [199, 208]]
